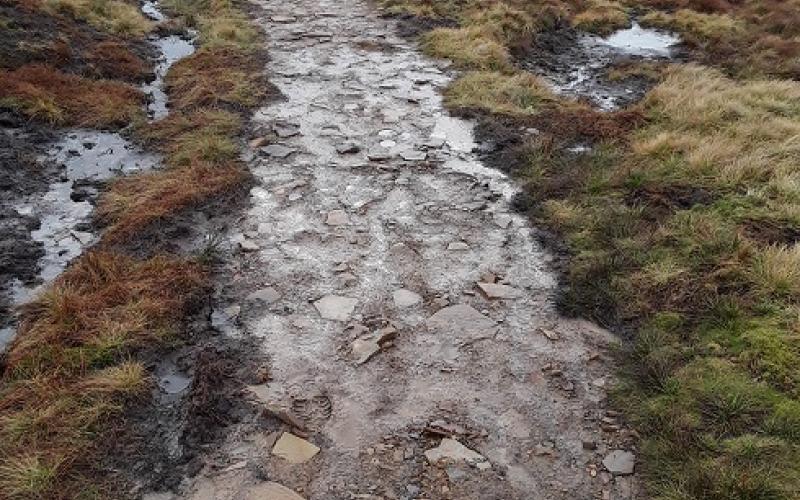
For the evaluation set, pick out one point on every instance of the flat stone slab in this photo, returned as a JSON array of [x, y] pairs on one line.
[[285, 131], [413, 155], [620, 462], [461, 320], [452, 450], [406, 298], [337, 218], [458, 246], [278, 150], [348, 148], [294, 449], [267, 295], [283, 19], [335, 307], [364, 347], [498, 291]]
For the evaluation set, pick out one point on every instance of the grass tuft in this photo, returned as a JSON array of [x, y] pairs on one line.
[[48, 95], [520, 94]]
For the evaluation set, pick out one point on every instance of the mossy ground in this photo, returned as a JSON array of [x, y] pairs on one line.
[[682, 223]]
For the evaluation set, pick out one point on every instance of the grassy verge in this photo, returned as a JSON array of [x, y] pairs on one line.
[[72, 370], [209, 92], [682, 225]]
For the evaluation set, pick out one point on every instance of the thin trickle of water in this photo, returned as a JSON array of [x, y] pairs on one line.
[[172, 48]]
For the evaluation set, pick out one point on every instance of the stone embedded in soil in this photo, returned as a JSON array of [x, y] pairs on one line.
[[270, 491], [458, 246], [498, 291], [248, 246], [294, 449], [283, 19], [278, 150], [335, 308], [461, 320], [363, 348], [620, 462], [337, 218], [413, 155], [502, 220], [284, 131], [258, 142], [267, 295], [348, 148], [406, 298], [550, 334], [378, 155], [452, 450]]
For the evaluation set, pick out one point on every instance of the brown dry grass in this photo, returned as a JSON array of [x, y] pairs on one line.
[[68, 371], [217, 77], [135, 203], [114, 60], [43, 93]]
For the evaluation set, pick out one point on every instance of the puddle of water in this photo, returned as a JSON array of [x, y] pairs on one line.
[[89, 154], [172, 48], [642, 41], [575, 64], [174, 383], [6, 336]]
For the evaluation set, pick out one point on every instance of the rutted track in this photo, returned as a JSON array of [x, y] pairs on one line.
[[369, 188]]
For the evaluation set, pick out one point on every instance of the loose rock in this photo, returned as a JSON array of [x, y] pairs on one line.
[[406, 298], [267, 295], [294, 449], [498, 291], [620, 462], [337, 218], [335, 307], [450, 449], [278, 150]]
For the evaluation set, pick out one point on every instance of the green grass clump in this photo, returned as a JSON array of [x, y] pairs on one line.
[[114, 16], [68, 372], [602, 17], [520, 94], [661, 234]]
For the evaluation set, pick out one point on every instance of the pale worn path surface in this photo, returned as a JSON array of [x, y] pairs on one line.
[[325, 223]]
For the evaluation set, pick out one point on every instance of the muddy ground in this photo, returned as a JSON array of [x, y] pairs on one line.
[[21, 174]]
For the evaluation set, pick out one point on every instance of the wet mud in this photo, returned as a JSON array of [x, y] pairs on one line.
[[577, 64], [20, 175]]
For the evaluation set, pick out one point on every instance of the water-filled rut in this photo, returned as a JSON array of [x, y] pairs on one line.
[[400, 302]]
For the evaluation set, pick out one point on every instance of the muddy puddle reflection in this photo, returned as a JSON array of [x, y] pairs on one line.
[[576, 64]]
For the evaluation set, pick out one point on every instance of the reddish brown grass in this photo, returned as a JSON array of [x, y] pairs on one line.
[[111, 59], [217, 77], [46, 94], [137, 202]]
